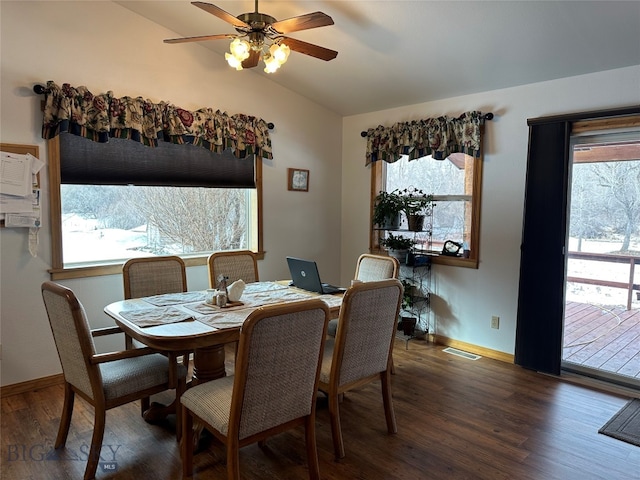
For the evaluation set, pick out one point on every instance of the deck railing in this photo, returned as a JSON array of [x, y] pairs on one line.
[[606, 257]]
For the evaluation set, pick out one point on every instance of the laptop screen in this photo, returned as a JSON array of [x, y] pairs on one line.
[[304, 274]]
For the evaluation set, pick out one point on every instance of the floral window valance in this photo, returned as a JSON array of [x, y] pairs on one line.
[[438, 137], [98, 117]]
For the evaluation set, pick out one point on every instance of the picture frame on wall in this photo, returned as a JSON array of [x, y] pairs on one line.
[[298, 179]]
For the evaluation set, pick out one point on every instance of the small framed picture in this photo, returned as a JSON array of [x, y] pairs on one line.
[[298, 179]]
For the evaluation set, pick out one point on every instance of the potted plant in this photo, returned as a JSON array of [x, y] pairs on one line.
[[407, 321], [416, 205], [398, 246], [386, 210], [407, 296]]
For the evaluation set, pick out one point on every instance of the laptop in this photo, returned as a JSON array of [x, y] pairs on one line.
[[304, 275]]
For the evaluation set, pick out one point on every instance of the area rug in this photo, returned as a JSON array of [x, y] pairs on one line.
[[625, 425]]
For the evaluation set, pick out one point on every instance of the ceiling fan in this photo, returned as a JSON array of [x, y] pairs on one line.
[[261, 36]]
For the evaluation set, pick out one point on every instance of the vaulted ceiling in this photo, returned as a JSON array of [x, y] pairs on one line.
[[396, 53]]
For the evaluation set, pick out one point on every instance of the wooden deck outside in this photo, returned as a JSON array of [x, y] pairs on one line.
[[606, 338]]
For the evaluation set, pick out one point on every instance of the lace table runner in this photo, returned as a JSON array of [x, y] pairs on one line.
[[192, 306], [253, 298]]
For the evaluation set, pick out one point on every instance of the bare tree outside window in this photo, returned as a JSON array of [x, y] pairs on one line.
[[103, 223], [604, 219], [605, 200]]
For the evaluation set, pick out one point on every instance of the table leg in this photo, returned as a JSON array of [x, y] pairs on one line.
[[208, 364], [157, 412]]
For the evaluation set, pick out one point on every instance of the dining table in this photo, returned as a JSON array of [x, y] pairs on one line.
[[185, 321]]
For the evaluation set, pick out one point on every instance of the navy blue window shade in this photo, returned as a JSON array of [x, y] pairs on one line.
[[125, 162]]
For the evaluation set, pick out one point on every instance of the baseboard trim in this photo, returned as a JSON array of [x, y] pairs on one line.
[[471, 348], [31, 385], [58, 379]]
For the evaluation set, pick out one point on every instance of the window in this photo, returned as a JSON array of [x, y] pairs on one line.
[[455, 184], [104, 212]]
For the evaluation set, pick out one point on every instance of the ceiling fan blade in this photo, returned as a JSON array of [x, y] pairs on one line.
[[201, 38], [252, 61], [221, 14], [303, 22], [309, 49]]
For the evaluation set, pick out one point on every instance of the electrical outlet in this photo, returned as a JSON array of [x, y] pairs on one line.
[[495, 322]]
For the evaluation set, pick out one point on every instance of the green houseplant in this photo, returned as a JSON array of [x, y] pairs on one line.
[[386, 210], [398, 246], [407, 321], [416, 205]]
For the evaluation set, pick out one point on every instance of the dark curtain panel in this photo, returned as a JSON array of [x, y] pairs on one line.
[[542, 259]]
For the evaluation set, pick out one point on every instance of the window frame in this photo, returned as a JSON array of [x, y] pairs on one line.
[[378, 184], [59, 272]]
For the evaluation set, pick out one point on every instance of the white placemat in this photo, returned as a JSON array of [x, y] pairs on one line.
[[226, 318], [175, 298], [149, 317]]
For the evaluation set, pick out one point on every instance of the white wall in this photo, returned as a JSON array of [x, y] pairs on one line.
[[465, 299], [106, 47]]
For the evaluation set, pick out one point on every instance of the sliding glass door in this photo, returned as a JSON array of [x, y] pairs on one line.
[[601, 334]]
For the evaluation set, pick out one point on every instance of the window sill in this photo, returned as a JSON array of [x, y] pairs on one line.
[[455, 261], [438, 259], [115, 268]]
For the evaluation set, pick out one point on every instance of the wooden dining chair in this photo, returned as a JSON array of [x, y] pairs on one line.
[[148, 276], [273, 389], [105, 380], [234, 264], [371, 268], [361, 350]]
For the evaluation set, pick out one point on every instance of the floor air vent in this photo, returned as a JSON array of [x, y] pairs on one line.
[[460, 353]]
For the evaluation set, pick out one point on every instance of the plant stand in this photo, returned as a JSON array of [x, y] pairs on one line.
[[415, 275], [416, 278]]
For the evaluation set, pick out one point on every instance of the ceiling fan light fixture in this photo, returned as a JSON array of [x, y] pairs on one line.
[[280, 52], [276, 57], [233, 61], [271, 64], [240, 49]]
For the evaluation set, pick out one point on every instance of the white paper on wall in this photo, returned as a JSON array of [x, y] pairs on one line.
[[15, 174]]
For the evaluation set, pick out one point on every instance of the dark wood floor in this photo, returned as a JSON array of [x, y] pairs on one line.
[[606, 338], [457, 419]]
